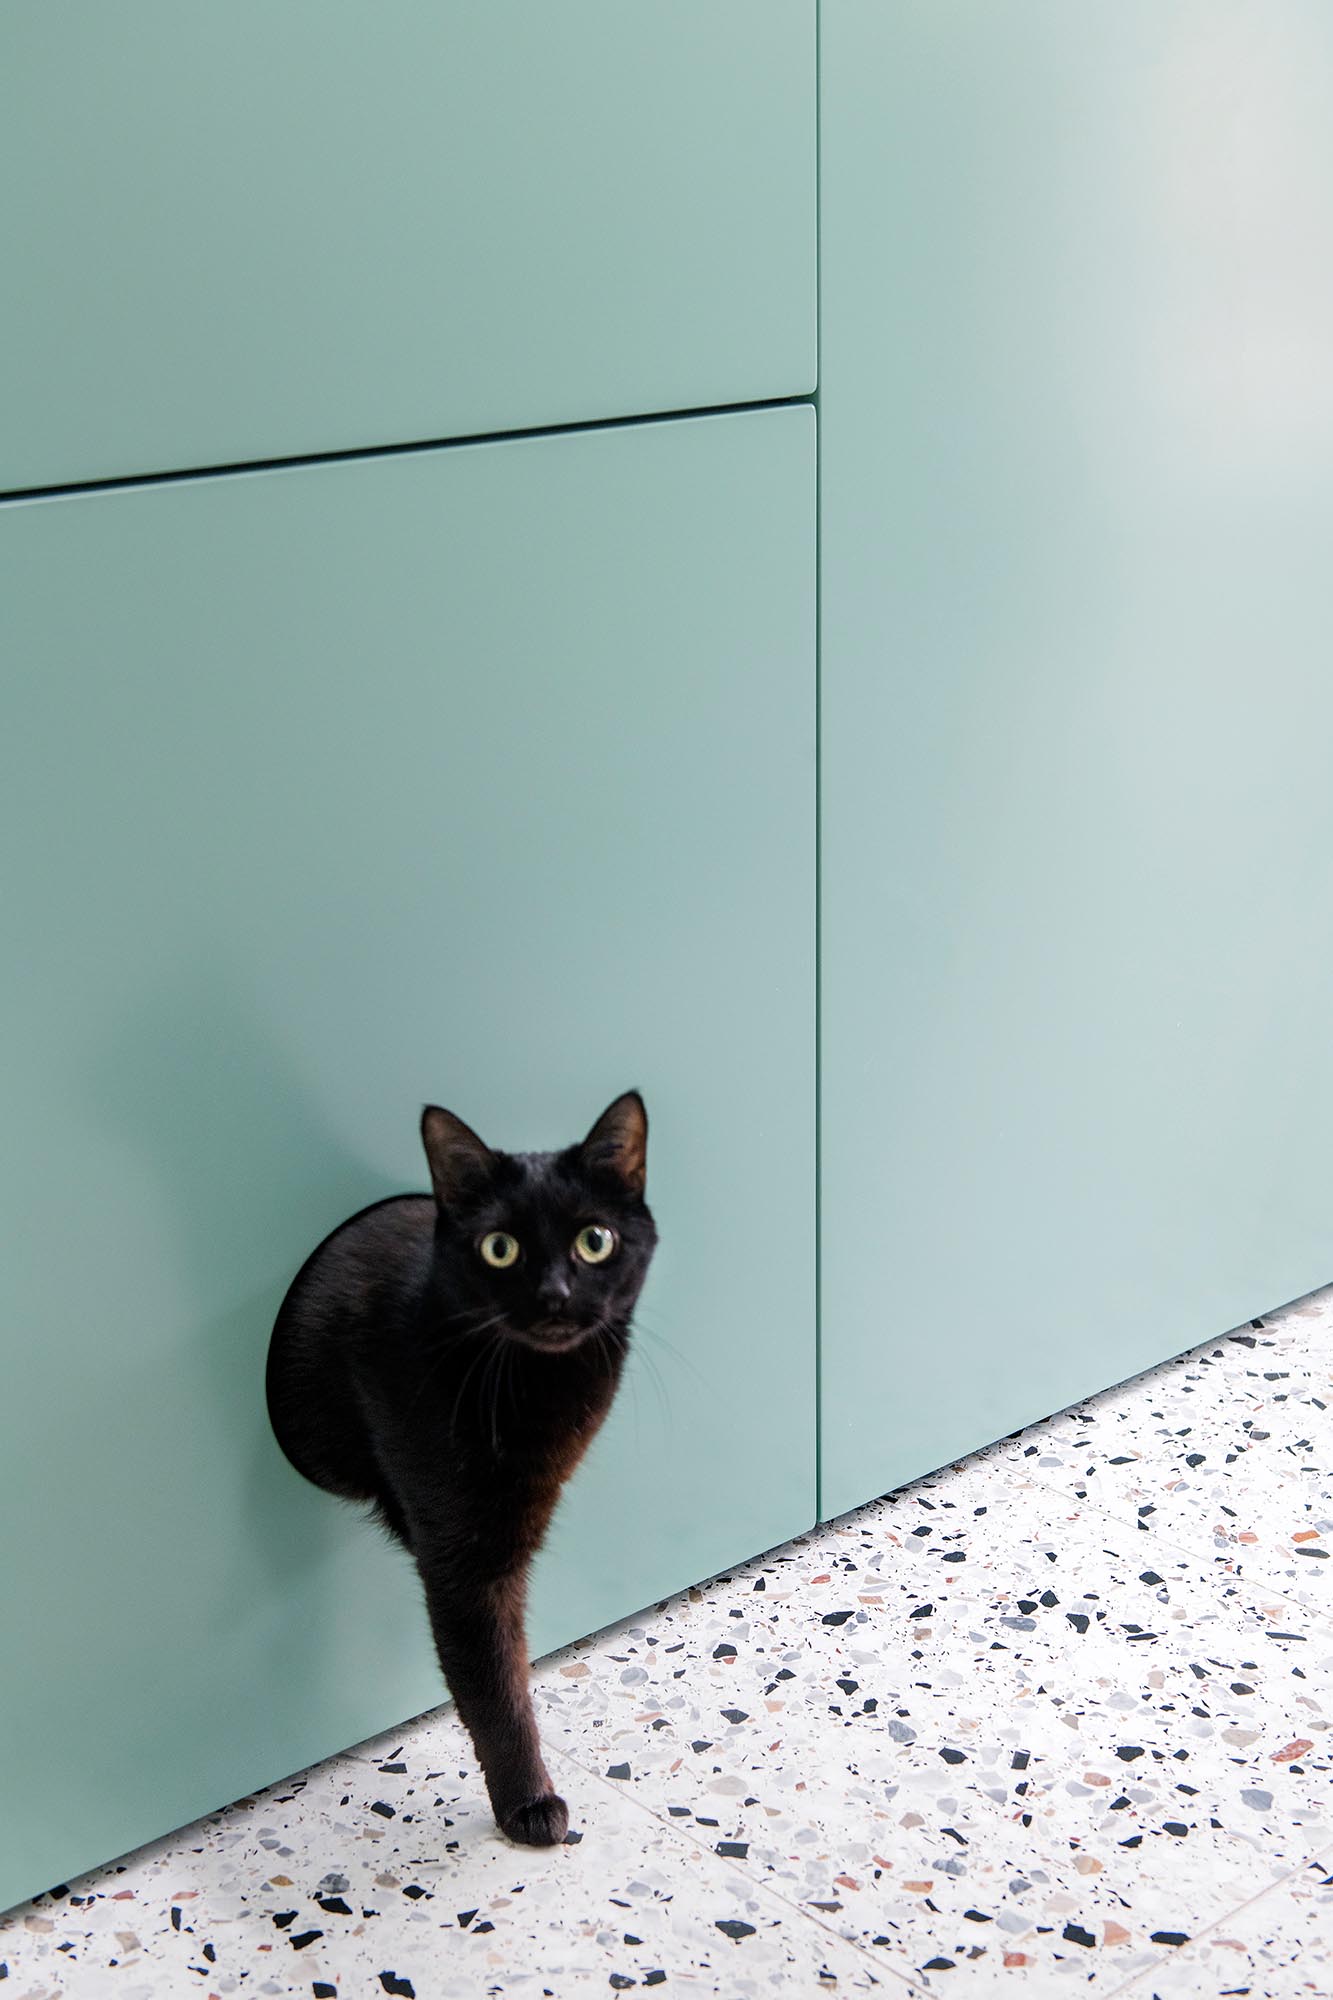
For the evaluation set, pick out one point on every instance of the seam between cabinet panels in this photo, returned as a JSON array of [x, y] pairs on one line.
[[819, 780], [283, 464]]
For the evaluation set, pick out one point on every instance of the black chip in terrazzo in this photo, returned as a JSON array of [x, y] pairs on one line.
[[736, 1849], [655, 1978], [1019, 1761], [323, 1991], [385, 1812], [831, 1618], [392, 1767], [953, 1756], [736, 1714], [619, 1981], [300, 1942], [617, 1770], [1170, 1937], [415, 1891], [1127, 1752], [284, 1917], [572, 1838], [977, 1917], [732, 1927], [726, 1651], [699, 1746], [393, 1984], [334, 1905], [464, 1919]]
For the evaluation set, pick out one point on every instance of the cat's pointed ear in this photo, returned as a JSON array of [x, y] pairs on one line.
[[454, 1152], [619, 1140]]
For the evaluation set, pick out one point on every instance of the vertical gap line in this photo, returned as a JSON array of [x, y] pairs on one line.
[[819, 777]]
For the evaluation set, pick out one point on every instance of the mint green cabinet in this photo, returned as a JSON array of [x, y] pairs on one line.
[[247, 231], [1076, 415], [484, 775]]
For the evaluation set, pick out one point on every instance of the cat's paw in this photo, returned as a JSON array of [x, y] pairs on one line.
[[542, 1822]]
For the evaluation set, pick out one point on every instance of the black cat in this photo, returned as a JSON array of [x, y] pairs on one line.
[[450, 1360]]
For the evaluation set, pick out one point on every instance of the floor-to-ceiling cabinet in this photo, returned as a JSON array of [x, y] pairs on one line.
[[1076, 419], [483, 775]]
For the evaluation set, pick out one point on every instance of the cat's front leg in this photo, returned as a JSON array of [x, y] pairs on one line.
[[482, 1645]]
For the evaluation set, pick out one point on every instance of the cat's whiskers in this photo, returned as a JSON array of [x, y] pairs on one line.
[[649, 1332], [648, 1361], [445, 1348], [482, 1359]]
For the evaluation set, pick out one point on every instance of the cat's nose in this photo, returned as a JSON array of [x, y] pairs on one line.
[[553, 1294]]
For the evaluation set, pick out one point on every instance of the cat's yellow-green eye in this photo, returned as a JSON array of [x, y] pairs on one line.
[[595, 1243], [499, 1249]]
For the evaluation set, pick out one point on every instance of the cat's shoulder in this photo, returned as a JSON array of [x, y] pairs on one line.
[[404, 1220], [389, 1241]]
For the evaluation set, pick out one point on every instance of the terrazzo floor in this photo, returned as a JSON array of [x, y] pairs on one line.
[[1054, 1718]]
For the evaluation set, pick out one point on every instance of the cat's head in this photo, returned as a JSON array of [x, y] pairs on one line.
[[543, 1248]]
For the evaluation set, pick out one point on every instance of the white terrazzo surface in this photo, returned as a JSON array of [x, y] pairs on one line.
[[1055, 1718]]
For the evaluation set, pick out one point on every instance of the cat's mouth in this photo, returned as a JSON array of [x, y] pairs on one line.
[[559, 1336]]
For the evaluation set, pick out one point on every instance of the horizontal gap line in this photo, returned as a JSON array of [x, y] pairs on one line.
[[395, 450]]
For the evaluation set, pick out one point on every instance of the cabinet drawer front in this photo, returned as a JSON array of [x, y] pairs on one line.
[[248, 232], [482, 775]]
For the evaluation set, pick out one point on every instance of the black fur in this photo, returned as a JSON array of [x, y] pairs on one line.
[[457, 1398]]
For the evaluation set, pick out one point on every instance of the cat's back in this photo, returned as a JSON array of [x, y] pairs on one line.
[[366, 1271], [355, 1291]]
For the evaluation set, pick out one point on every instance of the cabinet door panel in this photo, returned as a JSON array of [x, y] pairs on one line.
[[250, 231], [1077, 506], [482, 775]]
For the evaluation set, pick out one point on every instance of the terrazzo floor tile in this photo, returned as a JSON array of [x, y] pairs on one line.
[[1228, 1450], [381, 1872], [1280, 1947], [1055, 1717]]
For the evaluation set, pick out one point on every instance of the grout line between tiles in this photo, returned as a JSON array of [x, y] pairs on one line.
[[1322, 1621], [1184, 1955], [742, 1867], [1167, 1954]]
